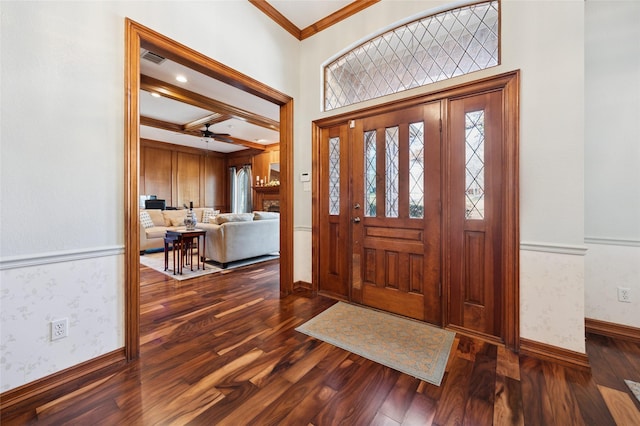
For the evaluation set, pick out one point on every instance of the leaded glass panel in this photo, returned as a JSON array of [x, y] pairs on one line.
[[370, 173], [334, 176], [416, 170], [392, 152], [474, 166], [431, 49]]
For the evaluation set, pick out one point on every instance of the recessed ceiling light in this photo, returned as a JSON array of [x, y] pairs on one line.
[[181, 78], [155, 94]]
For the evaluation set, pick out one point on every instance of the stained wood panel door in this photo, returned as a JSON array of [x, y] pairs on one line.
[[396, 212], [476, 190]]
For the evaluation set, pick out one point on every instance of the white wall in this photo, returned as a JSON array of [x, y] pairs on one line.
[[612, 160], [62, 163], [545, 40]]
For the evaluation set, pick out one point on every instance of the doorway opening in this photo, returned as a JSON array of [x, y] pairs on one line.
[[137, 36]]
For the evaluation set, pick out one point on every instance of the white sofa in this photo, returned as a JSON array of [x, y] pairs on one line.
[[152, 234], [231, 237]]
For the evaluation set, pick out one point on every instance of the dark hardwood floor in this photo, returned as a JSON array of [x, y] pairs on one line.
[[223, 350]]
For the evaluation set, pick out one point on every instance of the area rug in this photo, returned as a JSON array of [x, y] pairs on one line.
[[409, 346], [635, 388], [155, 261]]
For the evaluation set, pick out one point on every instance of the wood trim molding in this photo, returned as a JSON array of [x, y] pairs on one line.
[[609, 329], [555, 354], [133, 34], [62, 382], [277, 17], [138, 36], [322, 24], [337, 16], [303, 285], [286, 199]]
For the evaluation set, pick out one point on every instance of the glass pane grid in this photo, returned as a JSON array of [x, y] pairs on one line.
[[392, 152], [432, 49], [370, 186], [416, 170], [474, 166], [334, 176]]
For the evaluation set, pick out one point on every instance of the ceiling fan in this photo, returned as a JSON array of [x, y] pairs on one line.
[[209, 135]]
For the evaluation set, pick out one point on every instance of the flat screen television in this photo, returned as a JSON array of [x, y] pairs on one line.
[[155, 204]]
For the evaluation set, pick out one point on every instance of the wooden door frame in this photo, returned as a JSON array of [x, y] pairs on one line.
[[137, 36], [509, 83]]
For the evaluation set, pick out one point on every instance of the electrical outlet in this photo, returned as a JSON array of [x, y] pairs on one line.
[[59, 328], [624, 294]]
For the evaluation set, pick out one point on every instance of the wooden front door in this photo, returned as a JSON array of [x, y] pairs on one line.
[[396, 211], [417, 208], [476, 193]]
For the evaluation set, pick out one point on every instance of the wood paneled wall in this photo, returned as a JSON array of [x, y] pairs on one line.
[[262, 161], [180, 174]]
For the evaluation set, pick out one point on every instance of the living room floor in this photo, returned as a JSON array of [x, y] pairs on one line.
[[222, 349]]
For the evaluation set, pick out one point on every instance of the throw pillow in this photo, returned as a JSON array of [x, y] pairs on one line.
[[207, 214], [145, 220], [265, 215], [234, 217]]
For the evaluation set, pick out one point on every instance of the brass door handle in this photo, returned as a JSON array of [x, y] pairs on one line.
[[356, 219]]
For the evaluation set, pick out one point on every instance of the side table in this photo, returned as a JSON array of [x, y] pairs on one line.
[[175, 241], [186, 240]]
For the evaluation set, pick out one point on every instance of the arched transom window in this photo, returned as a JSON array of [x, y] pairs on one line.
[[434, 48]]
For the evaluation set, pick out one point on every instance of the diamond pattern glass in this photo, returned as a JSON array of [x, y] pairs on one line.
[[474, 167], [334, 176], [370, 172], [392, 152], [434, 48], [416, 170]]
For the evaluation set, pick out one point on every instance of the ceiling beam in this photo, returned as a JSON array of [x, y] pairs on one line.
[[209, 119], [172, 127], [179, 94]]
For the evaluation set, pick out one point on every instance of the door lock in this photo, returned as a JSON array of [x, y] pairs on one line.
[[356, 206], [356, 219]]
